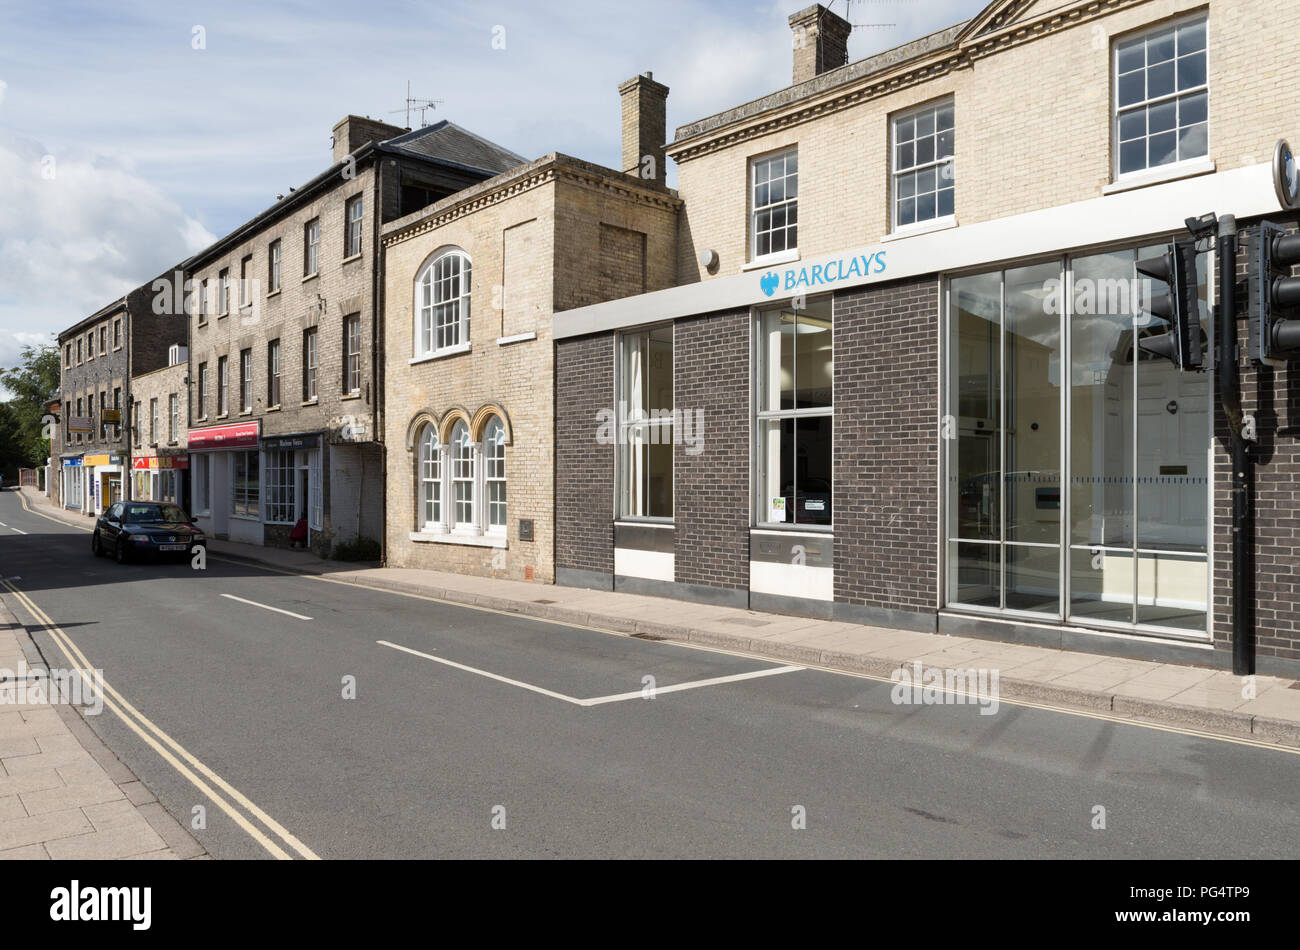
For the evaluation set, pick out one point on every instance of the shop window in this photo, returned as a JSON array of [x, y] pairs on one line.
[[280, 479], [774, 204], [245, 497], [442, 304], [795, 415], [924, 179], [646, 430], [1103, 522], [1162, 98], [201, 476], [646, 424]]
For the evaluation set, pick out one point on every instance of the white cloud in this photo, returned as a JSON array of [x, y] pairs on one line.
[[77, 231]]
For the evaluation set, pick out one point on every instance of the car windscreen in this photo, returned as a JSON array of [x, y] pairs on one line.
[[141, 514]]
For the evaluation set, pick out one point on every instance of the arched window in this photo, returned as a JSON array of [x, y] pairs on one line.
[[494, 459], [430, 479], [463, 475], [442, 304]]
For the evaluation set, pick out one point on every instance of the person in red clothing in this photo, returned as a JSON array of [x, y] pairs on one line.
[[298, 536]]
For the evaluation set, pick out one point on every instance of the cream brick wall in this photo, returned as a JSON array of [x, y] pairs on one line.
[[534, 239], [1033, 126]]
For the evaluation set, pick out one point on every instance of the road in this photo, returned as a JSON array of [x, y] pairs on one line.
[[466, 720]]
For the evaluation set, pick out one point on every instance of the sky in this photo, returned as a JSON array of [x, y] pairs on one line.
[[133, 134]]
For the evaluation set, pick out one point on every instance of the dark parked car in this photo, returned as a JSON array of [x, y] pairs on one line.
[[150, 528]]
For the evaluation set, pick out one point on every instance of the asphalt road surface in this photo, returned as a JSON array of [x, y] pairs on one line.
[[474, 733]]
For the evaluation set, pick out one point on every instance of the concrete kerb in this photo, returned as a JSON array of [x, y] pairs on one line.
[[1224, 722]]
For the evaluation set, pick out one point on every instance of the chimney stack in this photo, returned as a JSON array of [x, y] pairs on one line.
[[645, 127], [353, 131], [821, 41]]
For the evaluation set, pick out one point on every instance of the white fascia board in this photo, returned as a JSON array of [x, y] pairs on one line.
[[1160, 209]]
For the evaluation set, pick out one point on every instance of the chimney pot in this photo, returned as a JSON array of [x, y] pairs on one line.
[[645, 127], [821, 41]]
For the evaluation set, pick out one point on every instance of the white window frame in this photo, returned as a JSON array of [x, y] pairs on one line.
[[638, 427], [273, 254], [274, 384], [280, 468], [223, 385], [316, 514], [353, 211], [311, 248], [174, 413], [245, 282], [310, 363], [203, 390], [1117, 114], [223, 292], [153, 419], [442, 304], [938, 162], [429, 479], [352, 354], [464, 480], [494, 477], [787, 203], [246, 380]]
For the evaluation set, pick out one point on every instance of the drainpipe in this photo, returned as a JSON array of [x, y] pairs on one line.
[[1242, 426]]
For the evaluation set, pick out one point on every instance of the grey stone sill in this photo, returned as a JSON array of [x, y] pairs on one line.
[[442, 354], [310, 277], [771, 260], [346, 396], [354, 258], [1160, 175]]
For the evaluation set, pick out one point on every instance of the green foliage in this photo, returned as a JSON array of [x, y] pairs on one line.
[[362, 549], [22, 418]]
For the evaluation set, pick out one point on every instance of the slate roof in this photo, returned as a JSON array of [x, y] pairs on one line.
[[448, 142]]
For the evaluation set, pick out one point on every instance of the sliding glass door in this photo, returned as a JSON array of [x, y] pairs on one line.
[[1052, 410]]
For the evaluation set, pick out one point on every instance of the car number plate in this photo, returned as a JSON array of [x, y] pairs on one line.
[[171, 547]]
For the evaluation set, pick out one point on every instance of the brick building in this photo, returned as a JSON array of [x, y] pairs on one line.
[[470, 413], [160, 458], [898, 378], [99, 356], [286, 374]]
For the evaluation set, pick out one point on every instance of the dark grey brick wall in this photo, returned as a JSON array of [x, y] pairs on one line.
[[1274, 396], [584, 468], [886, 475], [711, 490]]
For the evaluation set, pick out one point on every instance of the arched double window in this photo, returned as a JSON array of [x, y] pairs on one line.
[[461, 484], [442, 292]]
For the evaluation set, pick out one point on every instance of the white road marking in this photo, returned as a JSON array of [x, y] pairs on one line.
[[696, 684], [254, 603], [491, 676], [598, 700]]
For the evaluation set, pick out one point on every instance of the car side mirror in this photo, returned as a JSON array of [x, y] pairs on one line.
[[194, 520]]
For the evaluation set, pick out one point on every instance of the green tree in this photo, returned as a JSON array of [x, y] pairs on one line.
[[22, 418]]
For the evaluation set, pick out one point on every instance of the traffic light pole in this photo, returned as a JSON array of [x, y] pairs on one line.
[[1243, 634]]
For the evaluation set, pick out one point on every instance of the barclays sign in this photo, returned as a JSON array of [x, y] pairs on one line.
[[802, 279]]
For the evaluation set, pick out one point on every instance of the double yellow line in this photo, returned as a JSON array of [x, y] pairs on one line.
[[229, 799]]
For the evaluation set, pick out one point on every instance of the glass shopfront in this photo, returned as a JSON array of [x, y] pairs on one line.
[[1076, 464]]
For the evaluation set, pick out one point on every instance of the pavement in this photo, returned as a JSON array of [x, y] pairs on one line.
[[1266, 708], [318, 709], [63, 794]]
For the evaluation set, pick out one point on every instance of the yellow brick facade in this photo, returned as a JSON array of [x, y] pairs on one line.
[[534, 237], [1033, 112]]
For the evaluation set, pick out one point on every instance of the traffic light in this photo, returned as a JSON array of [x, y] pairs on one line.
[[1274, 295], [1180, 307]]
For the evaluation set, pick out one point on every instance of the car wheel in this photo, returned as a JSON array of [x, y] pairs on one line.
[[121, 553], [96, 548]]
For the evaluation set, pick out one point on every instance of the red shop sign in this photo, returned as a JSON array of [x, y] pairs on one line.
[[236, 436]]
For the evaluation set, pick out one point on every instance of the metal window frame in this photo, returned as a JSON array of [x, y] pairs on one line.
[[946, 574]]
